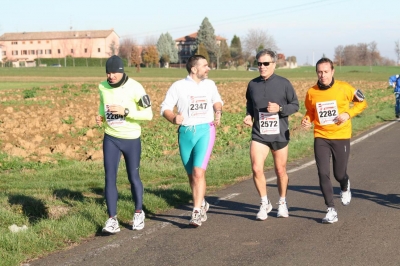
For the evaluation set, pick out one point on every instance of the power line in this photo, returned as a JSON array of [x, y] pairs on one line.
[[271, 13]]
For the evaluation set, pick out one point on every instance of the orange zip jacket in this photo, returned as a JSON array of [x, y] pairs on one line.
[[341, 94]]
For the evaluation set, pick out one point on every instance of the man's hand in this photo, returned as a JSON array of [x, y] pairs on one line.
[[340, 119], [273, 107], [217, 119], [248, 121], [305, 123], [99, 120], [178, 119]]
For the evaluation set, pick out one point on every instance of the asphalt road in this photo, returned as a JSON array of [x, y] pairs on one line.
[[367, 233]]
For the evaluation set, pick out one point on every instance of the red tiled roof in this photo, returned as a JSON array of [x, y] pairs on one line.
[[49, 35], [193, 37]]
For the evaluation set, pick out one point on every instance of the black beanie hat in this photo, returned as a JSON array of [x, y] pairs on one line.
[[114, 64]]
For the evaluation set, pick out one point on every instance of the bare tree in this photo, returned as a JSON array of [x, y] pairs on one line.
[[150, 41], [397, 50], [257, 38], [113, 48], [136, 58], [338, 56], [125, 49]]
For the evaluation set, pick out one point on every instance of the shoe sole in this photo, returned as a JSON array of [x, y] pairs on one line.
[[330, 222], [137, 228], [193, 224], [282, 216], [109, 232]]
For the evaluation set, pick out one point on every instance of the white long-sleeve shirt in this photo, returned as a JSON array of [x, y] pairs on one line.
[[193, 100]]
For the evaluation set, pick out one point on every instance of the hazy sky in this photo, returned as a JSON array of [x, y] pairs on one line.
[[306, 29]]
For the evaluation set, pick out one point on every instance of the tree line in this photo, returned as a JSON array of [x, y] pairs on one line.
[[218, 53], [163, 51], [362, 54]]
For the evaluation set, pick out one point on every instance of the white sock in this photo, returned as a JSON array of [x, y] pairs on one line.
[[203, 203], [282, 199], [264, 198]]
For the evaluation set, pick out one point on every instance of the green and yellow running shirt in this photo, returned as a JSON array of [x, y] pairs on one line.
[[128, 96]]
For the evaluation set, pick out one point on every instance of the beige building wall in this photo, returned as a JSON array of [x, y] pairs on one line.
[[30, 46]]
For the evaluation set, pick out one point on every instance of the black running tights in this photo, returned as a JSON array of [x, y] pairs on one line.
[[339, 150], [131, 149]]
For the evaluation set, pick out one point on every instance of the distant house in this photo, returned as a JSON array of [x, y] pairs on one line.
[[186, 43], [25, 47]]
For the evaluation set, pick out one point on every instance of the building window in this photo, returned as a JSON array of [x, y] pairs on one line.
[[98, 50], [85, 50], [31, 42], [47, 41], [59, 51], [13, 43], [14, 52], [38, 41], [24, 52], [72, 51], [31, 51], [4, 53], [48, 51], [23, 42], [39, 51]]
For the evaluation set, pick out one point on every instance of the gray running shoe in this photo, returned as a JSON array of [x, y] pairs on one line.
[[265, 208], [345, 196], [331, 216], [138, 221], [203, 211], [196, 219]]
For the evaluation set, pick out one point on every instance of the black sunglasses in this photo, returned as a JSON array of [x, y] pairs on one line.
[[264, 63]]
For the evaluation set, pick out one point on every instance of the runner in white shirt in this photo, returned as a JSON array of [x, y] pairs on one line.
[[199, 110]]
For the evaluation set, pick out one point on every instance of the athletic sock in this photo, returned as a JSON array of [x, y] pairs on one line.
[[282, 199], [264, 198], [203, 203]]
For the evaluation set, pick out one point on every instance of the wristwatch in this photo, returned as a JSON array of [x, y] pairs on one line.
[[126, 111], [280, 108]]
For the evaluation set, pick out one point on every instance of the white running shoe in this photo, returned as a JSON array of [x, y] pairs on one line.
[[203, 211], [138, 221], [196, 219], [345, 196], [283, 211], [111, 226], [331, 216], [265, 208]]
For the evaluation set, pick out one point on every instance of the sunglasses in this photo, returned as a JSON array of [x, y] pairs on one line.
[[264, 63]]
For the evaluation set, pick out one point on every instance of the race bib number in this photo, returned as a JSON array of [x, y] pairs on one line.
[[114, 120], [327, 112], [269, 123], [198, 106]]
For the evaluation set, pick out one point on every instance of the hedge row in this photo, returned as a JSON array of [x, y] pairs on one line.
[[70, 62]]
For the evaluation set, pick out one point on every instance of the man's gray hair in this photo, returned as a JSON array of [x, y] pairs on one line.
[[272, 54]]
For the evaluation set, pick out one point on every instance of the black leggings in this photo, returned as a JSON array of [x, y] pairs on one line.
[[339, 149], [131, 149]]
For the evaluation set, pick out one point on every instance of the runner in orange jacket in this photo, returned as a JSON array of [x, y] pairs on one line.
[[328, 107]]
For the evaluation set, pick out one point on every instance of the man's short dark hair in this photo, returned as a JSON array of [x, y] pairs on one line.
[[192, 61], [324, 60], [272, 54]]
